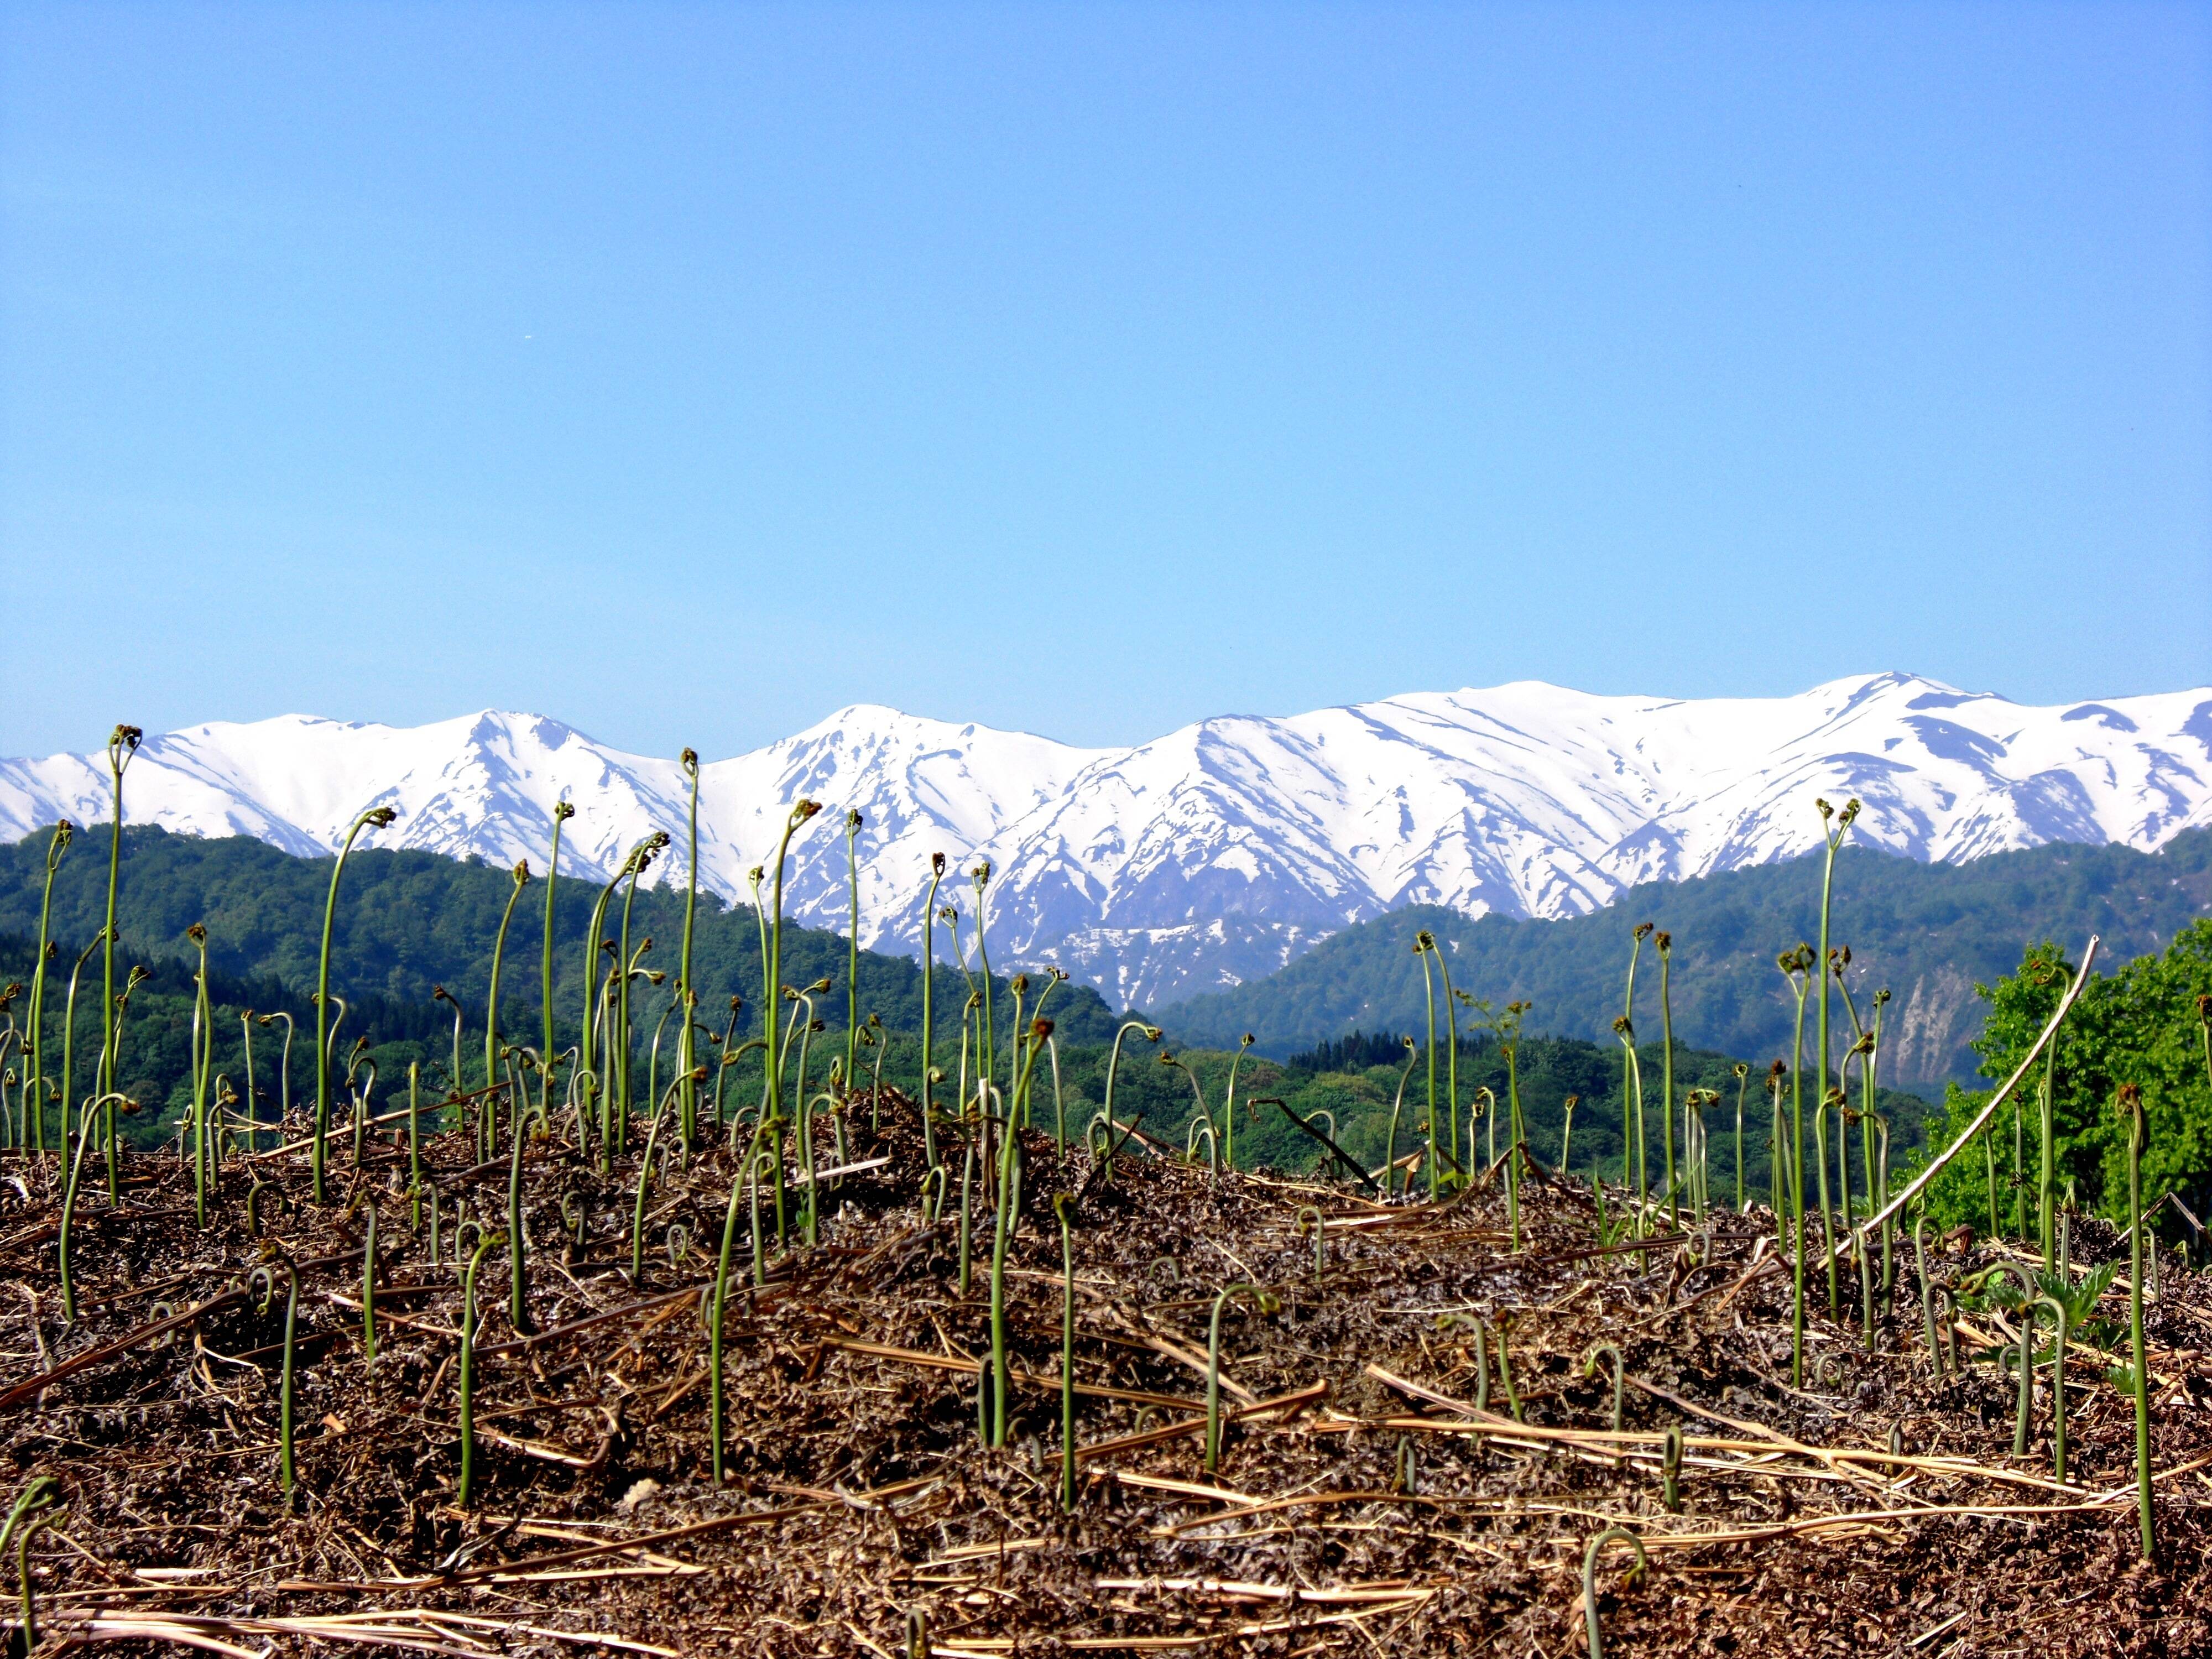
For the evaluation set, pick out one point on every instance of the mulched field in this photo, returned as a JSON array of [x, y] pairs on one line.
[[1379, 1490]]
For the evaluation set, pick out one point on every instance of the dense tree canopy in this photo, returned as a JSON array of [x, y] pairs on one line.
[[2143, 1023]]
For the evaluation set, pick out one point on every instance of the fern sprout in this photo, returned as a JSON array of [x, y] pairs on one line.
[[69, 1040], [1308, 1216], [1830, 1102], [1063, 1208], [1567, 1130], [1663, 942], [644, 1179], [2046, 1189], [489, 1145], [1390, 1181], [1610, 1535], [245, 1021], [517, 1266], [686, 993], [1631, 1076], [1777, 1148], [1228, 1100], [653, 1052], [1152, 1034], [1481, 1332], [2131, 1107], [1507, 1027], [466, 1485], [748, 1168], [2060, 1316], [587, 1061], [122, 746], [1007, 1219], [57, 845], [1424, 947], [1453, 998], [1742, 1082], [1797, 968], [1632, 1150], [111, 1128], [88, 1119], [853, 823], [1927, 1302], [1266, 1304], [562, 811], [880, 1041], [265, 1277], [1670, 1468], [1202, 1121], [1607, 1351], [1198, 1128], [33, 1509], [1505, 1371], [1834, 827], [456, 1088], [987, 1032], [368, 1291], [772, 966], [966, 1217], [928, 1012], [203, 1053], [376, 817]]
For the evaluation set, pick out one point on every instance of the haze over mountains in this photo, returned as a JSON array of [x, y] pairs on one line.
[[1223, 850]]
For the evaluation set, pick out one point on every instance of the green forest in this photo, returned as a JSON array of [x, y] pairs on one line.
[[409, 923], [2147, 1021], [1929, 933]]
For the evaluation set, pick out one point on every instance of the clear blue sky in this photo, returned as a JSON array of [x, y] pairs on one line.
[[686, 371]]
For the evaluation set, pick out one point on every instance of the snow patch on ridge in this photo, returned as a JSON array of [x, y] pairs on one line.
[[1223, 850]]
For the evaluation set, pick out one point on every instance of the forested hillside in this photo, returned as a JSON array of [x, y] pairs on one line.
[[407, 922], [1929, 932]]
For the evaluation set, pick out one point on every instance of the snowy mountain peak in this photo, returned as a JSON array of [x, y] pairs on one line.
[[1226, 848]]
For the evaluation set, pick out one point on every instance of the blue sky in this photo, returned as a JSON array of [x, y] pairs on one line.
[[687, 372]]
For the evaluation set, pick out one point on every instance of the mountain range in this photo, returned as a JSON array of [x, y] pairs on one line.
[[1228, 848]]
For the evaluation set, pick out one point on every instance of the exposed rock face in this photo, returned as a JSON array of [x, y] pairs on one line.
[[1925, 1040]]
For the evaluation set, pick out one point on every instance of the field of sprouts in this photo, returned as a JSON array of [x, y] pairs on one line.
[[571, 1364]]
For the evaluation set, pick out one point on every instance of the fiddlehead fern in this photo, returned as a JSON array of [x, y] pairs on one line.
[[368, 1293], [265, 1276], [377, 818], [466, 1487], [1505, 1371], [2059, 1316], [1605, 1351], [1390, 1181], [2130, 1108], [1267, 1304], [33, 1509], [88, 1119], [1308, 1216], [1610, 1535], [1063, 1207], [1927, 1301]]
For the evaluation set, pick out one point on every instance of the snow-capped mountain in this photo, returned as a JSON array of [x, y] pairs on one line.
[[1221, 851]]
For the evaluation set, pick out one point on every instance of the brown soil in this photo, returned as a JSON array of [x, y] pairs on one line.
[[1363, 1513]]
